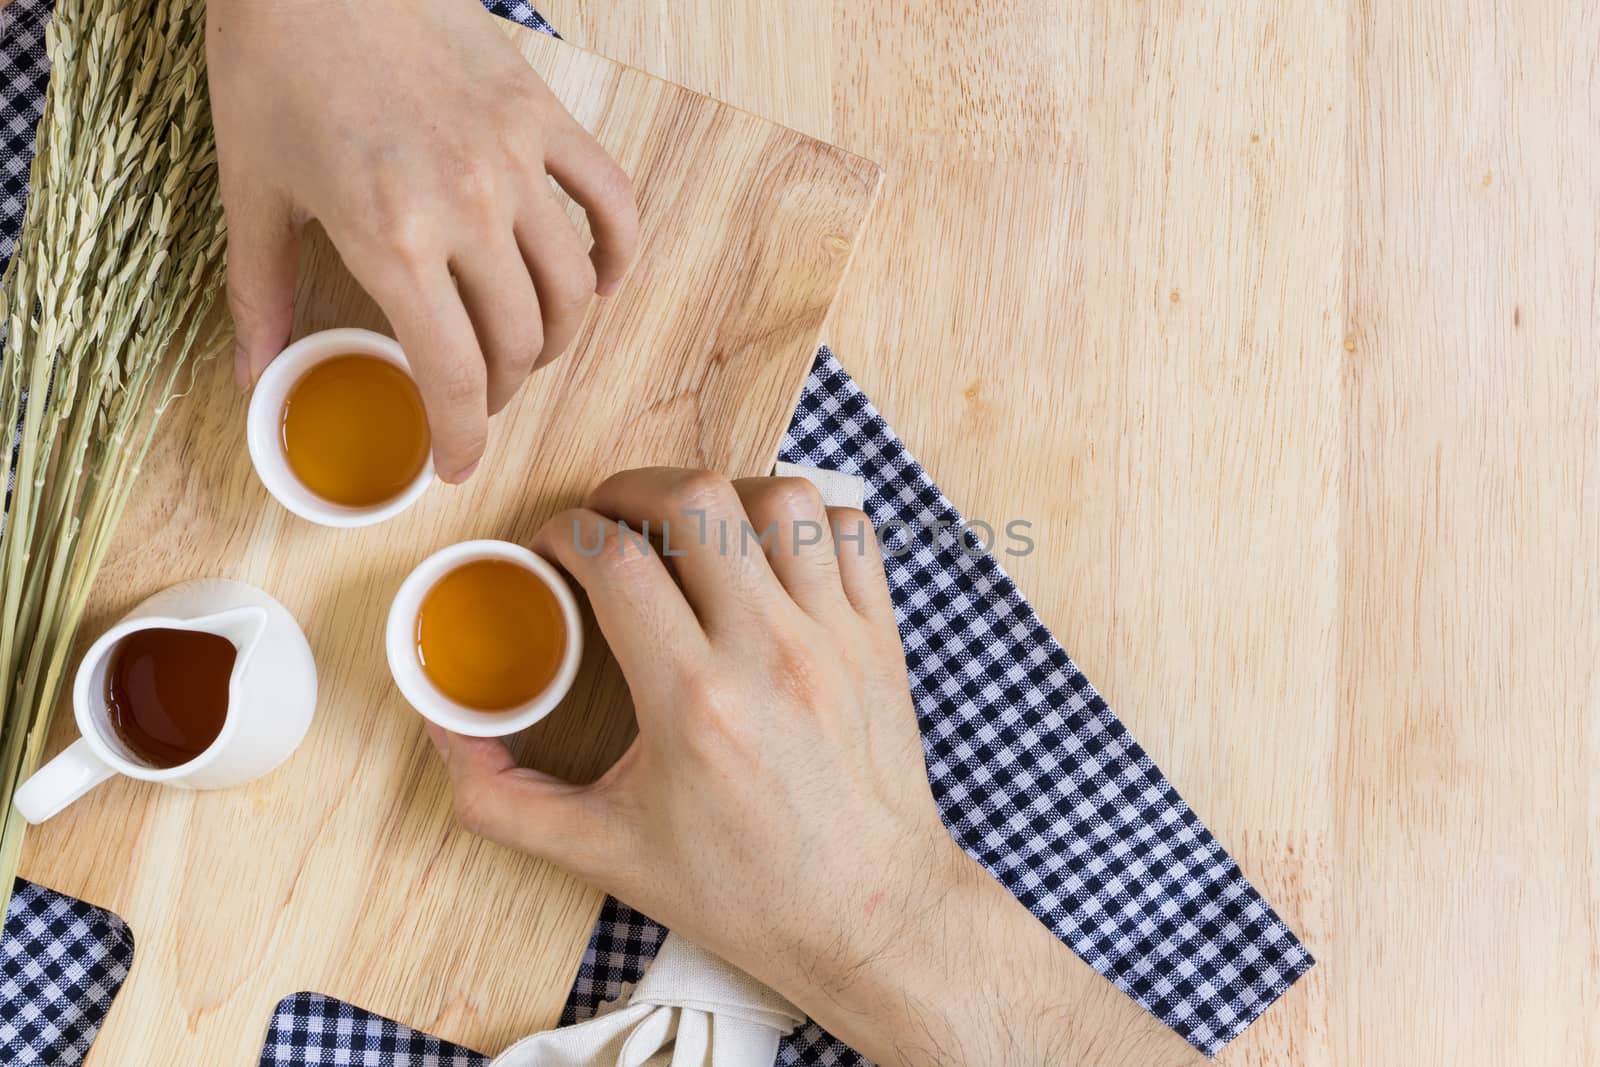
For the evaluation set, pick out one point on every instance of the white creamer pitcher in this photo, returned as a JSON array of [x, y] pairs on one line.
[[271, 696]]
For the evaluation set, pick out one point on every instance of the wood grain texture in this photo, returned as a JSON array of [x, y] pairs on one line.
[[1281, 323], [342, 873]]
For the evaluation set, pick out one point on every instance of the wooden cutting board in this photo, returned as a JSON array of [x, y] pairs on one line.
[[341, 872]]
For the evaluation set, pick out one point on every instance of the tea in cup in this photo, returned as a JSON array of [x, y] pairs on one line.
[[484, 638], [337, 430]]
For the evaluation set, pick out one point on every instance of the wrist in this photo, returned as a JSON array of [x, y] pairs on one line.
[[931, 884], [942, 965], [900, 953]]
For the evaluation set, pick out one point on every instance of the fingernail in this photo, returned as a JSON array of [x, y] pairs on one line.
[[436, 735], [241, 368], [462, 475]]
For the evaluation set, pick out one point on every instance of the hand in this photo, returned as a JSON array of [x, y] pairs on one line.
[[421, 139], [775, 806]]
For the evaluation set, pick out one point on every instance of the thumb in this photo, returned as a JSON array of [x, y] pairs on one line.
[[263, 259], [519, 807]]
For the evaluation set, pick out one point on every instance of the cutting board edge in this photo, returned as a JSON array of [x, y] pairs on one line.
[[857, 161]]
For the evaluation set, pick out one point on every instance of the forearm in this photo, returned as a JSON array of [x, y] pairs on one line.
[[949, 969]]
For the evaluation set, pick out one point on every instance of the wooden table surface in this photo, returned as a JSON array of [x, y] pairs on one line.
[[1280, 322]]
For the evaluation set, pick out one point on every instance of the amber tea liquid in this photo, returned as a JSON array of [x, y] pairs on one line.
[[167, 693], [354, 430], [491, 635]]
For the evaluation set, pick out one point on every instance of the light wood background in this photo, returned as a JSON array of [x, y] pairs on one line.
[[1280, 321], [342, 872]]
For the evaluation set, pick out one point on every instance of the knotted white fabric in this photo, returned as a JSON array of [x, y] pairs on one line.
[[689, 1010]]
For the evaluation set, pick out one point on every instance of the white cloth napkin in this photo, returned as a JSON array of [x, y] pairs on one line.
[[689, 1010], [838, 489]]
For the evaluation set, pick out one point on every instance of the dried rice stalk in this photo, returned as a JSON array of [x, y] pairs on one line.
[[104, 309]]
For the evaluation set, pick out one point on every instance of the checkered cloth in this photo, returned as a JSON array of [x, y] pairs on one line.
[[24, 73], [311, 1030], [1034, 774], [61, 962]]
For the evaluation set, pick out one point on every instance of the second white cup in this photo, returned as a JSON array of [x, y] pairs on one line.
[[401, 642]]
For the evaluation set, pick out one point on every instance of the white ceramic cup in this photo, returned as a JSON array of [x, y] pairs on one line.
[[272, 695], [422, 694], [264, 427]]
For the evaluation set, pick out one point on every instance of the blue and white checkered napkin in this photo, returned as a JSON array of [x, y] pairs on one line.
[[61, 962], [24, 73], [1035, 775]]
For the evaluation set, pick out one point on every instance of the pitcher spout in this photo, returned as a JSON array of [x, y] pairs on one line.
[[243, 626]]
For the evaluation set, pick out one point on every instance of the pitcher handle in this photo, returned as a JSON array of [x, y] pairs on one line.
[[61, 781]]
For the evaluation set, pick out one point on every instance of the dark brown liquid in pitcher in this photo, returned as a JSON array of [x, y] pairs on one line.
[[167, 693]]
